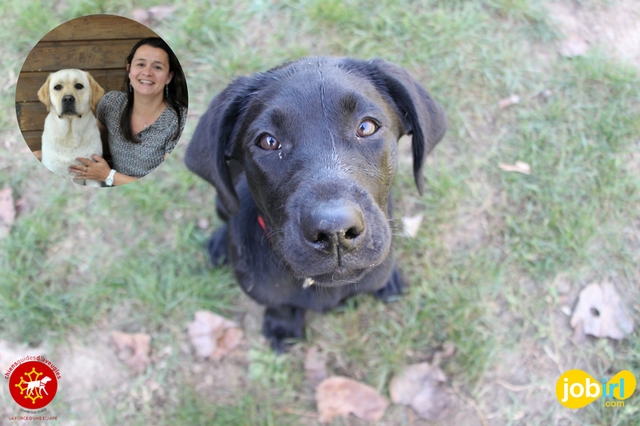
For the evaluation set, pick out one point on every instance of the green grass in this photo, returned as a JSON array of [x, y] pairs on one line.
[[496, 258]]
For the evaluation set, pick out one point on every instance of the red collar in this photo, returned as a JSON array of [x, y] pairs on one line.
[[263, 224]]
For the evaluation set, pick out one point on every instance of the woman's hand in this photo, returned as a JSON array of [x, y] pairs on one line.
[[96, 169]]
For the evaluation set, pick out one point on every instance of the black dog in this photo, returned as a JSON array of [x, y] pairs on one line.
[[303, 157]]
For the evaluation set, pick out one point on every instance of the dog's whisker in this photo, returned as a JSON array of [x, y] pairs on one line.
[[395, 223], [320, 293], [399, 234]]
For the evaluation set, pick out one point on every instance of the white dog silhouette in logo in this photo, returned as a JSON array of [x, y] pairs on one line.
[[39, 385]]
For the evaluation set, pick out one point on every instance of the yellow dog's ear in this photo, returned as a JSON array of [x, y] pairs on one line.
[[96, 93], [43, 94]]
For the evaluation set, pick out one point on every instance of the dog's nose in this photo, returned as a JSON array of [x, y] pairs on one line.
[[333, 224], [68, 99]]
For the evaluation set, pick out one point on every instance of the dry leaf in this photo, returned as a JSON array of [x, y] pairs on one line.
[[411, 225], [519, 167], [142, 16], [315, 369], [599, 312], [228, 342], [133, 349], [340, 396], [162, 12], [213, 336], [203, 223], [7, 211], [448, 350], [420, 387], [153, 14], [507, 102], [573, 46]]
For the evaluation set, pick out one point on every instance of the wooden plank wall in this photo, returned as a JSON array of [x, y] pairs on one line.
[[96, 43]]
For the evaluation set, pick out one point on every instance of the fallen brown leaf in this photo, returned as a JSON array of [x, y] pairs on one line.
[[448, 350], [573, 46], [7, 211], [519, 167], [420, 387], [203, 223], [507, 102], [315, 368], [340, 396], [153, 14], [133, 349], [229, 341], [600, 313], [213, 336]]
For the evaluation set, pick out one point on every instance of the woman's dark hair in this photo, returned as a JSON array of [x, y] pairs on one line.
[[176, 98]]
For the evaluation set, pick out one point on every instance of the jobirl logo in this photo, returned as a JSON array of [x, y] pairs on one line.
[[576, 389]]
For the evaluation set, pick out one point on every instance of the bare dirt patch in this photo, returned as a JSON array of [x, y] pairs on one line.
[[92, 371], [615, 27]]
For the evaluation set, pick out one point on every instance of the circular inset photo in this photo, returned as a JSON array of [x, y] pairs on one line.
[[101, 100]]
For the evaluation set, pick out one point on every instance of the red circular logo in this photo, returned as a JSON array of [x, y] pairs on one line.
[[33, 385]]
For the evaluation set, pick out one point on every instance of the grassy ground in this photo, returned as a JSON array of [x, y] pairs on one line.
[[495, 261]]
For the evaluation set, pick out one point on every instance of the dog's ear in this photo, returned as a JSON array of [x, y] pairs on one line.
[[43, 94], [96, 91], [420, 115], [212, 143]]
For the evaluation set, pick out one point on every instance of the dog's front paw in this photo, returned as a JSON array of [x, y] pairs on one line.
[[217, 247], [392, 289], [281, 325]]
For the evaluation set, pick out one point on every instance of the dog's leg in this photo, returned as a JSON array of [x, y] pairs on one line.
[[281, 324], [217, 246], [392, 289]]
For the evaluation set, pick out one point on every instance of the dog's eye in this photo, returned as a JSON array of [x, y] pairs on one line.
[[79, 86], [269, 143], [57, 87], [367, 128]]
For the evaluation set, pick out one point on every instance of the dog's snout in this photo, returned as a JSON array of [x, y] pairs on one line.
[[68, 99], [333, 225]]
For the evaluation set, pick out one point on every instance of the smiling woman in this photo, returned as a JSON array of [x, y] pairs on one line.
[[139, 126], [142, 124]]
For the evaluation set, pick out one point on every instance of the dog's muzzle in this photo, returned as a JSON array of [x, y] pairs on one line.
[[68, 105], [334, 227], [336, 242]]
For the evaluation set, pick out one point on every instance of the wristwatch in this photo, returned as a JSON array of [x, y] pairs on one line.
[[109, 179]]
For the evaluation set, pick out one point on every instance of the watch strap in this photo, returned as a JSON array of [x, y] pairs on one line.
[[109, 180]]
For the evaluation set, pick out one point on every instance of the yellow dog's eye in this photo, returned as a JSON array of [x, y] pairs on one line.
[[79, 86], [367, 128], [57, 87]]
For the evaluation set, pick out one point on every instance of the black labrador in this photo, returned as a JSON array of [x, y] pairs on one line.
[[303, 158]]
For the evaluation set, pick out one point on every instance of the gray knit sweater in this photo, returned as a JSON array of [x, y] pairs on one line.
[[137, 159]]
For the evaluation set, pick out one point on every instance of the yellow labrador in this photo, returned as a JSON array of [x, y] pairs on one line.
[[70, 130]]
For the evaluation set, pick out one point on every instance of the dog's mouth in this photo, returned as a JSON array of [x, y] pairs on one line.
[[337, 278], [70, 114], [333, 266], [69, 109]]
